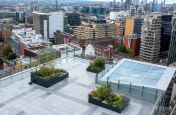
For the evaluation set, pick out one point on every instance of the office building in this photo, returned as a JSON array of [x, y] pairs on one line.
[[150, 38], [94, 10], [114, 15], [133, 25], [127, 4], [20, 17], [95, 31], [135, 1], [166, 29], [141, 9], [62, 38], [73, 19], [120, 27], [48, 23], [172, 47]]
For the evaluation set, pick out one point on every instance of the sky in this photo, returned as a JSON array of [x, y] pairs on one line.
[[167, 1]]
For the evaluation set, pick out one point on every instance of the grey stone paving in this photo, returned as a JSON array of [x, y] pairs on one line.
[[65, 98]]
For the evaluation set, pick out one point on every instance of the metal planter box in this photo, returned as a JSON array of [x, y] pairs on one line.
[[50, 82]]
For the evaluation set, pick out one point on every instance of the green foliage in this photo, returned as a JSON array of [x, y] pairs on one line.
[[130, 52], [98, 63], [122, 48], [116, 101], [6, 50], [48, 73], [102, 92]]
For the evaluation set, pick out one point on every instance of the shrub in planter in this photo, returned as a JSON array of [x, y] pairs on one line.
[[48, 73], [104, 97], [97, 65], [47, 76], [99, 62], [117, 101], [101, 92]]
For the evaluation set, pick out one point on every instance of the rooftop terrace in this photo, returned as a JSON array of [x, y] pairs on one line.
[[69, 97]]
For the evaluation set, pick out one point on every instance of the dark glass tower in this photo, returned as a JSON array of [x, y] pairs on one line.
[[166, 29], [172, 47]]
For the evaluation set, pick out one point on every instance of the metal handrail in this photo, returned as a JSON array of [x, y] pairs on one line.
[[153, 109], [173, 111]]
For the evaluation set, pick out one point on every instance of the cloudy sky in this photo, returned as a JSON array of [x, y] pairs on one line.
[[167, 1]]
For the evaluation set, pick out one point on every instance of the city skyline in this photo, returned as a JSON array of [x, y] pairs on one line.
[[167, 1]]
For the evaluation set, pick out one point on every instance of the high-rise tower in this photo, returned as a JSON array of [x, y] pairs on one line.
[[150, 38], [172, 47], [56, 5]]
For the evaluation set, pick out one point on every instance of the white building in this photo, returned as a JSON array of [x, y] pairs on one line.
[[48, 23], [116, 15], [55, 22]]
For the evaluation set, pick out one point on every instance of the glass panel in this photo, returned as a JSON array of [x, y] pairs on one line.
[[136, 73], [115, 77], [155, 76], [128, 64], [142, 67], [149, 82], [158, 70], [122, 70], [136, 91]]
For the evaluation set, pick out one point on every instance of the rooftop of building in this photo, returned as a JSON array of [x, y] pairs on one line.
[[29, 38], [69, 97], [47, 13]]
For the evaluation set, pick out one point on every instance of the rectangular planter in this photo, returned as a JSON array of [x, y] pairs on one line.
[[104, 105], [48, 83], [95, 71], [94, 101]]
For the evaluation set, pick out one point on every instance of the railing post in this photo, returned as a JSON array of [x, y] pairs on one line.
[[107, 80], [21, 64], [118, 85], [30, 61], [156, 94], [130, 88], [96, 78], [74, 52]]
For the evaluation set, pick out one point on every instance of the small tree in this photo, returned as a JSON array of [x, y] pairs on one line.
[[130, 52], [102, 92], [6, 50], [122, 48], [100, 62]]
